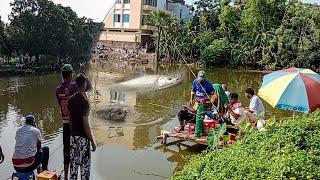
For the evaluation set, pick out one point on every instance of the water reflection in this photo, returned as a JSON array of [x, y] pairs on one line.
[[21, 96]]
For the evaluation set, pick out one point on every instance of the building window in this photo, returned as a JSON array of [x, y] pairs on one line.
[[125, 18], [126, 1], [150, 3], [118, 2], [117, 18], [146, 20]]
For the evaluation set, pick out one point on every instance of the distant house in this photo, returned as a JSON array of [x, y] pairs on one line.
[[127, 23]]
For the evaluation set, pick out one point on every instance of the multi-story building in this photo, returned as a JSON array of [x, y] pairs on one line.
[[128, 20]]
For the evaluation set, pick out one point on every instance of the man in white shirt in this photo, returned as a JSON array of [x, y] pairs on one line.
[[28, 154], [255, 112]]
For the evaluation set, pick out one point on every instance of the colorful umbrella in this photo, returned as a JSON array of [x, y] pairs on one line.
[[292, 89]]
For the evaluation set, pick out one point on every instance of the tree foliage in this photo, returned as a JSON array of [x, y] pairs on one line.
[[269, 34], [42, 28], [216, 54]]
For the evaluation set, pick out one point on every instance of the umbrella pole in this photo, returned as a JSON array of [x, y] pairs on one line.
[[293, 115]]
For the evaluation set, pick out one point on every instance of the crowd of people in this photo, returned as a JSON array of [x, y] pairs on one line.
[[215, 101], [124, 52]]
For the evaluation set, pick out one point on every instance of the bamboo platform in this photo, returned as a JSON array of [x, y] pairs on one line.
[[181, 136]]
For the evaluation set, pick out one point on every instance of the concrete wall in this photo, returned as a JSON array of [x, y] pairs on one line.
[[108, 21], [135, 14], [103, 36], [121, 36]]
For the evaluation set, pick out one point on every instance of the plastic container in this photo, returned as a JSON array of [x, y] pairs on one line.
[[47, 175], [209, 124], [192, 128]]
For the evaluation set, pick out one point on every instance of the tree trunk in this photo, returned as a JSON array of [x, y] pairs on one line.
[[37, 59], [158, 46]]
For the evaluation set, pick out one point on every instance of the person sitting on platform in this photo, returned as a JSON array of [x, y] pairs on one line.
[[235, 111], [255, 112], [28, 154], [235, 114], [220, 98], [186, 115]]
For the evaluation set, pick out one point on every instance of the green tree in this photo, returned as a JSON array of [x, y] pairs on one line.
[[229, 22], [42, 28], [260, 16], [1, 36], [217, 54], [159, 19]]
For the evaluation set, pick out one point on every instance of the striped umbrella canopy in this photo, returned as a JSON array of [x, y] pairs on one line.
[[292, 89]]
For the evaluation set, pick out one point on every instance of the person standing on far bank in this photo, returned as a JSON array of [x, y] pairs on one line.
[[81, 136], [63, 93]]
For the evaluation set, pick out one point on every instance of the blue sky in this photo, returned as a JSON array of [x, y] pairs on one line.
[[94, 9]]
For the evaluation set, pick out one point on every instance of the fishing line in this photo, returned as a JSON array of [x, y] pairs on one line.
[[183, 58], [172, 108], [148, 174], [60, 146]]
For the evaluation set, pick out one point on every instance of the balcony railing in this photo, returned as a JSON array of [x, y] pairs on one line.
[[149, 8], [150, 3], [148, 27]]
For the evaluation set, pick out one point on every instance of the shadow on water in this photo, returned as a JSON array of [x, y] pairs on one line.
[[126, 146]]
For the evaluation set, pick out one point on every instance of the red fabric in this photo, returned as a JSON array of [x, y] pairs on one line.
[[313, 92], [290, 70], [17, 162]]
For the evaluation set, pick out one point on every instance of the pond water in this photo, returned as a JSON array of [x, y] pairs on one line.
[[126, 149]]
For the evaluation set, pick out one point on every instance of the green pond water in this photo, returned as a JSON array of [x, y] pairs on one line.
[[126, 149]]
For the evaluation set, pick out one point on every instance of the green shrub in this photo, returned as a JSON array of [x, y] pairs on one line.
[[216, 54], [290, 150]]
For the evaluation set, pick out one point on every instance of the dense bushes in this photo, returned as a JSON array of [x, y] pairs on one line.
[[216, 54], [290, 150]]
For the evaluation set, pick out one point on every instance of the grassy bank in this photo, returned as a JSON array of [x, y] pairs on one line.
[[288, 150]]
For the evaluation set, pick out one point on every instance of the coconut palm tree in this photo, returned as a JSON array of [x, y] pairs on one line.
[[159, 19]]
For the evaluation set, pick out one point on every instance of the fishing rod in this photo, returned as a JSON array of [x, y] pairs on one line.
[[93, 42], [203, 89]]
